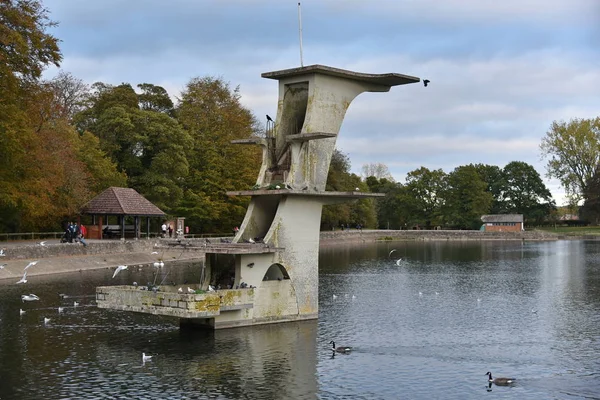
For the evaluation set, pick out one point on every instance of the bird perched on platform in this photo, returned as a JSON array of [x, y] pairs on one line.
[[180, 290], [2, 266], [75, 304], [211, 288], [2, 253], [425, 82], [340, 349], [190, 290], [269, 118], [500, 381], [119, 269]]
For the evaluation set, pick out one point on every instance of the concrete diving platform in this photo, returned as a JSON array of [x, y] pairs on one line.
[[169, 302]]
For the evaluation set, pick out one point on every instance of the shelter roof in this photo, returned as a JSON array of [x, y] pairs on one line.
[[121, 201], [502, 218]]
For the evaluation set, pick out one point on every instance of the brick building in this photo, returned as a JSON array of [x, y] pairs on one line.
[[503, 223]]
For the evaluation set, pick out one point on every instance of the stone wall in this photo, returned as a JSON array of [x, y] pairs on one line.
[[382, 234]]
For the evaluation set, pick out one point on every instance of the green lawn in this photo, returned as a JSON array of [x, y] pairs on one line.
[[572, 230]]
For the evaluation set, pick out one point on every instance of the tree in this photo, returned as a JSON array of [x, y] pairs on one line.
[[211, 113], [70, 95], [525, 192], [494, 177], [466, 198], [149, 146], [377, 170], [573, 152], [155, 98], [425, 189]]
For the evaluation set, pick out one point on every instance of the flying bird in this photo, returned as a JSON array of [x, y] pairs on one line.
[[393, 250], [146, 358], [75, 304], [42, 243], [31, 264], [23, 279], [119, 269], [398, 261], [46, 320], [29, 297], [425, 82], [60, 309], [21, 311]]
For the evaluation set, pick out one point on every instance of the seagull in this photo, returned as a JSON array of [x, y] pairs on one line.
[[251, 240], [2, 253], [389, 255], [31, 264], [211, 288], [60, 309], [353, 297], [156, 265], [180, 290], [190, 290], [154, 252], [21, 311], [357, 189], [2, 266], [420, 293], [269, 118], [533, 310], [23, 279], [46, 320], [334, 297], [42, 243], [75, 304], [29, 297], [119, 269], [161, 264], [425, 82], [398, 261], [277, 187], [146, 358]]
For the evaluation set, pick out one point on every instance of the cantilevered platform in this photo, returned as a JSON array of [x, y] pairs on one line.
[[390, 79], [230, 248], [167, 301]]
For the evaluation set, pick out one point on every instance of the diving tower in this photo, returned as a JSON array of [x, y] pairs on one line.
[[269, 273]]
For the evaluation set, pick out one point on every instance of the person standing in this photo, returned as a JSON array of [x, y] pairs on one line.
[[163, 228], [170, 230]]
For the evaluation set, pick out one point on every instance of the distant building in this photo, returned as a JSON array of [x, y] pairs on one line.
[[502, 223]]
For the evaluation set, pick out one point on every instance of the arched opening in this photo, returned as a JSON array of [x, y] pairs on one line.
[[276, 272]]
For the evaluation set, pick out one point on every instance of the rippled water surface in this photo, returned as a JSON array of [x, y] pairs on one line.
[[426, 327]]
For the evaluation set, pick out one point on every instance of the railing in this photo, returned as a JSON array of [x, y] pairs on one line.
[[5, 237]]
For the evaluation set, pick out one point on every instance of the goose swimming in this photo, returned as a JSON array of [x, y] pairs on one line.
[[340, 349], [500, 381]]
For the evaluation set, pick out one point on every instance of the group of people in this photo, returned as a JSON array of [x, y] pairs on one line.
[[166, 228], [74, 232]]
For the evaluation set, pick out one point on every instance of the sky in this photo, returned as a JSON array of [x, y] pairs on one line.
[[501, 71]]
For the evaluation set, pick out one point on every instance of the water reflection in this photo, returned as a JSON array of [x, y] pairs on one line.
[[417, 330]]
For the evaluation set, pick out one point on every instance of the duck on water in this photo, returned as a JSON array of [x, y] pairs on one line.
[[340, 349], [500, 381]]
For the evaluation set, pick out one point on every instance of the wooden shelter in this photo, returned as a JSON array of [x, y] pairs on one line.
[[122, 203]]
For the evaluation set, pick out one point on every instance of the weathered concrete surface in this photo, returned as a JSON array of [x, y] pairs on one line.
[[167, 301]]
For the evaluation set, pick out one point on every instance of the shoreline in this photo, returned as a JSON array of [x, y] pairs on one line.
[[105, 254]]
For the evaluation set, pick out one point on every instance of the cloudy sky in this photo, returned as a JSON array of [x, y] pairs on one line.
[[500, 71]]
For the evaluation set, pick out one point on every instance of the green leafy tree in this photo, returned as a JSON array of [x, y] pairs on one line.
[[573, 153], [211, 113], [525, 192], [494, 177], [155, 98], [466, 198], [425, 189]]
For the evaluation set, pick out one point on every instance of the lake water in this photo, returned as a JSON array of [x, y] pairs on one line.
[[427, 327]]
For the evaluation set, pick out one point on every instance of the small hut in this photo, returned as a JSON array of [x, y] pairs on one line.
[[119, 203]]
